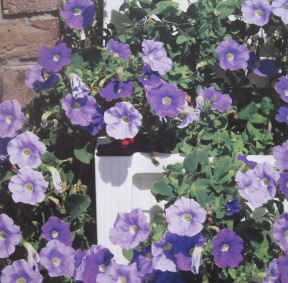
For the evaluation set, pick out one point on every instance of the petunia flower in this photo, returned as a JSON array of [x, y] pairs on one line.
[[189, 115], [118, 48], [280, 154], [150, 78], [97, 122], [79, 90], [116, 89], [262, 67], [283, 183], [272, 274], [281, 87], [281, 232], [279, 8], [282, 264], [282, 115], [233, 206]]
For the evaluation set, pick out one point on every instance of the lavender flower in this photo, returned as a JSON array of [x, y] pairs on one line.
[[282, 115], [256, 12], [150, 79], [57, 258], [28, 186], [272, 274], [227, 248], [80, 110], [279, 8], [79, 90], [26, 150], [121, 49], [155, 55], [123, 121], [35, 79], [20, 271], [97, 122], [54, 59], [283, 183], [9, 236], [262, 67], [281, 232], [116, 89], [233, 206], [78, 13], [120, 273], [282, 264], [185, 217], [129, 229], [168, 277], [232, 55], [54, 228], [281, 87], [167, 100], [11, 118], [3, 149], [189, 115], [280, 154]]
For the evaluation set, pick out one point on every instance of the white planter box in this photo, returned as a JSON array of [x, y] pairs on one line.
[[124, 182]]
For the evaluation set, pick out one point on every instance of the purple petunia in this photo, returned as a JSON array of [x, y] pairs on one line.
[[79, 90], [28, 186], [233, 206], [155, 55], [129, 229], [279, 8], [150, 78], [282, 115], [97, 122], [54, 228], [227, 248], [35, 79], [26, 150], [3, 149], [21, 272], [281, 232], [121, 49], [283, 183], [281, 87], [257, 12], [80, 110], [78, 14], [282, 264], [57, 258], [123, 120], [189, 115], [272, 274], [185, 217], [11, 118], [166, 100], [54, 59], [9, 236], [120, 273], [116, 89], [280, 154], [232, 55], [262, 67]]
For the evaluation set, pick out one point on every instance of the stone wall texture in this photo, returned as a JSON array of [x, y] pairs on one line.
[[25, 26]]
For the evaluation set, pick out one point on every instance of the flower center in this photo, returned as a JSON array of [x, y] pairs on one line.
[[3, 235], [119, 90], [102, 267], [56, 58], [133, 229], [76, 105], [21, 280], [54, 234], [286, 6], [265, 181], [286, 234], [27, 151], [9, 119], [287, 184], [149, 256], [56, 261], [28, 187], [224, 248], [187, 217], [191, 251], [121, 279], [125, 119], [77, 11], [246, 190], [151, 56], [167, 247], [166, 100], [286, 90], [259, 13], [229, 56]]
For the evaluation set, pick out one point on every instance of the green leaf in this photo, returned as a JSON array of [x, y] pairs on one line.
[[48, 158], [128, 254], [257, 119], [161, 188], [261, 250], [165, 6], [232, 273], [221, 167], [191, 162], [225, 9], [180, 39], [175, 167], [83, 155], [200, 190], [77, 204], [248, 111]]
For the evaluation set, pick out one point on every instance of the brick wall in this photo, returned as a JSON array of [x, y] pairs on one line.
[[25, 26]]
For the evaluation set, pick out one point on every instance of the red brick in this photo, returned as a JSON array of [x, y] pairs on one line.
[[13, 86], [29, 6], [22, 39]]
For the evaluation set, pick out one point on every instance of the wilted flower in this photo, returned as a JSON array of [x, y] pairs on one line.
[[233, 206], [54, 59], [272, 274], [281, 232], [56, 179], [282, 115], [185, 217], [282, 87], [20, 271], [121, 49], [33, 257], [78, 13], [283, 183], [257, 12], [123, 120], [227, 248], [9, 236], [28, 186], [279, 8], [155, 55], [232, 55], [26, 150], [54, 228], [79, 90], [262, 67], [280, 154], [116, 89], [282, 264], [189, 115], [57, 258], [129, 229], [11, 118]]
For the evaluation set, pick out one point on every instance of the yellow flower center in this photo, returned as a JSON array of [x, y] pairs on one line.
[[28, 187], [77, 12], [9, 119], [286, 234], [191, 251], [265, 181], [229, 56], [166, 100], [76, 105], [56, 58], [121, 279], [286, 6], [167, 247], [56, 261], [286, 92], [287, 184], [102, 267], [54, 234], [21, 280], [224, 248], [149, 256], [3, 235], [259, 13], [119, 90], [187, 217], [133, 229], [150, 56], [27, 151], [125, 119]]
